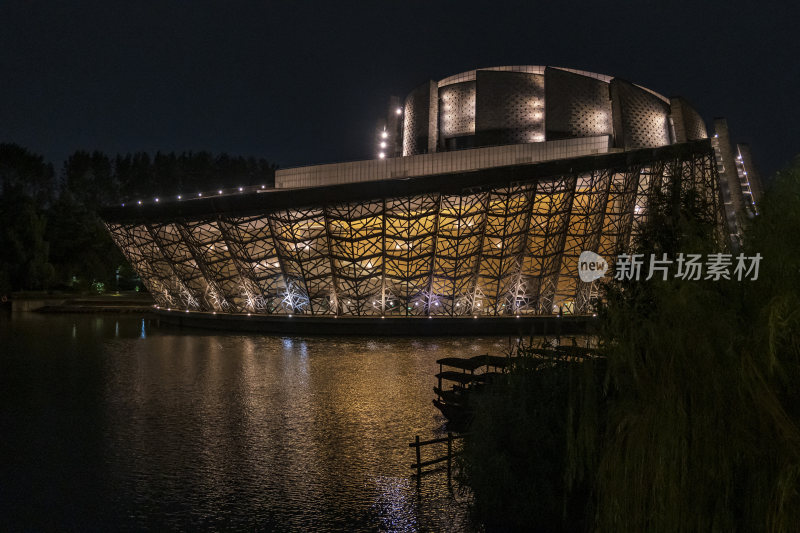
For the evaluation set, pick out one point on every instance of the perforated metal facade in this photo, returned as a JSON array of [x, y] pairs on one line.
[[526, 104], [641, 119], [688, 124], [577, 106], [456, 111], [418, 119], [511, 108]]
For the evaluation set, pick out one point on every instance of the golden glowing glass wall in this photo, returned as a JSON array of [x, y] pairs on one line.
[[502, 250]]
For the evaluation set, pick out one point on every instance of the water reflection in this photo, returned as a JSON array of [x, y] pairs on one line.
[[393, 507], [168, 428]]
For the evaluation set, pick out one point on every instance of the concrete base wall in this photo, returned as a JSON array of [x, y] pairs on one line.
[[405, 326]]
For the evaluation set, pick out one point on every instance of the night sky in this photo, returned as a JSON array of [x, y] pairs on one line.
[[304, 82]]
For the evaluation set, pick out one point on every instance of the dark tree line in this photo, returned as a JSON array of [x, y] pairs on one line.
[[51, 235]]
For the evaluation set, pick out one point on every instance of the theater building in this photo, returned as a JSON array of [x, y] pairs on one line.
[[485, 188]]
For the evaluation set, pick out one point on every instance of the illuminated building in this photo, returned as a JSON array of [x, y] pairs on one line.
[[484, 190]]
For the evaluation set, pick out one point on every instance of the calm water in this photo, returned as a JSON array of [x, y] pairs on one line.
[[113, 422]]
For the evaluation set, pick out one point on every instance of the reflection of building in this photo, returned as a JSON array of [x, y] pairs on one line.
[[485, 189]]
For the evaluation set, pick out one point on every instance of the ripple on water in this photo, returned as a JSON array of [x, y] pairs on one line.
[[139, 426]]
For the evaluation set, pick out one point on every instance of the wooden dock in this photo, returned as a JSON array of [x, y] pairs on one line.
[[467, 375], [435, 446]]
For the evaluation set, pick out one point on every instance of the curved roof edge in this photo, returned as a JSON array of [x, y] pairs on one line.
[[470, 75]]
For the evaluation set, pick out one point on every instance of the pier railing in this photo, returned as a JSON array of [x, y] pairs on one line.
[[436, 445]]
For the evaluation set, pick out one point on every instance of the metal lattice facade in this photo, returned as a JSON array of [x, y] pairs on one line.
[[501, 241]]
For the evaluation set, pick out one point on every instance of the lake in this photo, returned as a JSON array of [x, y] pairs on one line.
[[115, 422]]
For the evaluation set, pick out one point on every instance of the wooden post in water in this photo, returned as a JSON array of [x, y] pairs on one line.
[[449, 455], [419, 462]]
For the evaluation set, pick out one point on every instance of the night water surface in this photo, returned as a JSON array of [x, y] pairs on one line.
[[112, 422]]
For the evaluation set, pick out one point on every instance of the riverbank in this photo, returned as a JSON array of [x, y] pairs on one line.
[[42, 302]]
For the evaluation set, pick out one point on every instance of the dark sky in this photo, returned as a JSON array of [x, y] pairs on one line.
[[304, 82]]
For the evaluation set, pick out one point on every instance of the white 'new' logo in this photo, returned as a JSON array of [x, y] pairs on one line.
[[591, 266]]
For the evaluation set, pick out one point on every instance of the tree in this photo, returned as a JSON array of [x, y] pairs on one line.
[[24, 262], [24, 172], [702, 428]]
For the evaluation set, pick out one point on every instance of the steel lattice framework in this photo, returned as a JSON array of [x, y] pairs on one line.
[[504, 241]]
